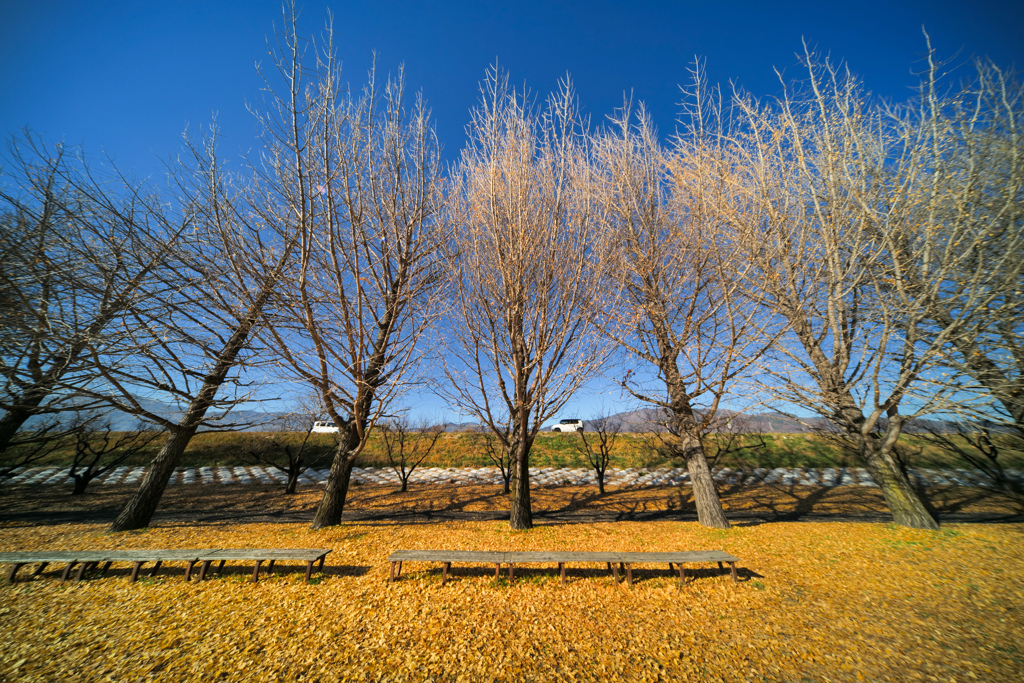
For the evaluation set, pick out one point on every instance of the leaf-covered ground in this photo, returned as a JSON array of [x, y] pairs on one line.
[[816, 601]]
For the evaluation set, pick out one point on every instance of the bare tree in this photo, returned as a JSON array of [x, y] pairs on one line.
[[98, 451], [359, 177], [829, 193], [202, 327], [519, 335], [81, 250], [500, 456], [962, 252], [290, 459], [598, 448], [672, 295], [33, 445], [407, 446]]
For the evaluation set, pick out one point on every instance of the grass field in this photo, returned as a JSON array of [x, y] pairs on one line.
[[815, 602], [561, 450]]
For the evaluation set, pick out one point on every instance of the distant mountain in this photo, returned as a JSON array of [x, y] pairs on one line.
[[463, 427], [652, 420]]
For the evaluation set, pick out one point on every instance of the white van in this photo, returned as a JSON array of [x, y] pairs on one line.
[[325, 428], [568, 426]]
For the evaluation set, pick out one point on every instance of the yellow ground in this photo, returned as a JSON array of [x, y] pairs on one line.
[[817, 601]]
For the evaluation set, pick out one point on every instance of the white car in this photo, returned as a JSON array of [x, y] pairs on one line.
[[568, 426], [324, 428]]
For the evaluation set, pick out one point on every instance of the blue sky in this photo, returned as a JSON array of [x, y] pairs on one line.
[[128, 77]]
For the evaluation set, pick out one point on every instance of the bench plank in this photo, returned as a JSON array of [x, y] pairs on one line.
[[484, 556], [613, 560], [277, 554], [676, 558], [140, 557]]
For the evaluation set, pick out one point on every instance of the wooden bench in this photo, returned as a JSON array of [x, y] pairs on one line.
[[309, 556], [93, 558], [614, 560]]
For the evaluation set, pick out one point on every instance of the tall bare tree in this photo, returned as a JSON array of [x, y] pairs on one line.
[[359, 177], [81, 250], [519, 333], [672, 296], [830, 198], [203, 325], [962, 253]]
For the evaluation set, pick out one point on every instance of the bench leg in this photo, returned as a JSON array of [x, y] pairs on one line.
[[629, 575], [720, 567], [106, 566], [615, 571], [136, 566], [81, 570], [188, 570], [14, 570], [399, 567], [270, 567], [609, 567], [156, 568], [309, 569], [732, 566], [561, 569], [321, 567], [510, 577], [40, 568], [391, 578], [497, 570], [682, 575], [220, 567], [67, 571], [444, 572], [256, 571], [203, 568]]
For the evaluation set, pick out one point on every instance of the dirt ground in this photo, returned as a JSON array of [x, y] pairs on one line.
[[383, 504]]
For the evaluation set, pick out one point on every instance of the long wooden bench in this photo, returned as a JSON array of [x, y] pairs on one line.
[[86, 559], [614, 560]]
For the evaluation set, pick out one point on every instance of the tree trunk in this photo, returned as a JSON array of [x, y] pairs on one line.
[[293, 480], [522, 515], [505, 489], [20, 412], [906, 506], [600, 482], [10, 423], [405, 484], [332, 503], [138, 511], [705, 495], [80, 485]]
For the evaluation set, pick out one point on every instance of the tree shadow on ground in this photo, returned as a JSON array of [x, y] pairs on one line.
[[214, 505]]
